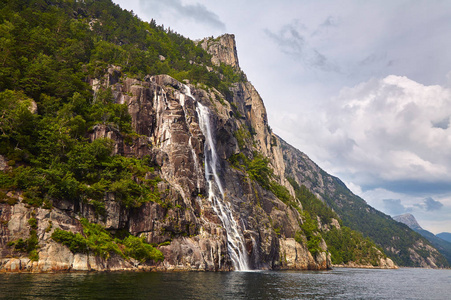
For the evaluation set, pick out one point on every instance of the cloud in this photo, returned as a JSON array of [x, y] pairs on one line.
[[331, 21], [389, 130], [198, 13], [414, 187], [394, 207], [443, 124], [430, 204], [374, 58], [292, 40]]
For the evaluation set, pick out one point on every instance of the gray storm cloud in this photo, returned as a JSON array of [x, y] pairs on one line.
[[430, 204], [198, 13], [293, 40], [394, 207]]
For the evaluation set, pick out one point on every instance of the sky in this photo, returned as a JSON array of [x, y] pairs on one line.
[[362, 87]]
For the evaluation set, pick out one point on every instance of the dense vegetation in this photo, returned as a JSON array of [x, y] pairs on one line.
[[394, 237], [347, 245], [100, 242], [51, 46], [344, 244]]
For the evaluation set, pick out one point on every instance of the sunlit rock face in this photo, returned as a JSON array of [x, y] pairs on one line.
[[222, 49]]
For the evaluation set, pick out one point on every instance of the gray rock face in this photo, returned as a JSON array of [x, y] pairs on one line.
[[3, 163], [222, 49], [409, 220]]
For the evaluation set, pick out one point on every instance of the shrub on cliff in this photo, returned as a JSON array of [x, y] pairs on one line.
[[259, 170], [75, 242], [137, 248], [98, 240]]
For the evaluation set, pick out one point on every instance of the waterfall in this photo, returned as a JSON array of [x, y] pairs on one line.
[[235, 240]]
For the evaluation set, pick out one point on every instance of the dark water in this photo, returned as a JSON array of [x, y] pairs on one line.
[[335, 284]]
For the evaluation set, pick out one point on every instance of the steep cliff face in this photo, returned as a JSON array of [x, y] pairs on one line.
[[201, 222], [222, 49], [177, 138]]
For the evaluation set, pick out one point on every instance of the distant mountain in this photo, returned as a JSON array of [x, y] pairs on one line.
[[445, 236], [409, 220], [442, 244]]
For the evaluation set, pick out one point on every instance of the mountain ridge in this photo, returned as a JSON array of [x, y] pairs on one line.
[[442, 245], [409, 220], [445, 236]]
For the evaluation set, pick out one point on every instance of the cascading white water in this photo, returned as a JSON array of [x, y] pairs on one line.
[[235, 240]]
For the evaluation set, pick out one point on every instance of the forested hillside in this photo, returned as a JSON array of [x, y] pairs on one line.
[[51, 51]]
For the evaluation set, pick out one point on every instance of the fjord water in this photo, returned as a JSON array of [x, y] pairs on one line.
[[403, 283]]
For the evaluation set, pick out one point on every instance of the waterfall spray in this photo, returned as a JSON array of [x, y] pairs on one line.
[[235, 240]]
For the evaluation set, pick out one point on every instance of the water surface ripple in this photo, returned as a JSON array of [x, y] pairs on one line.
[[336, 284]]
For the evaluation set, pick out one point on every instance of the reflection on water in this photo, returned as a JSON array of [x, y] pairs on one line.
[[335, 284]]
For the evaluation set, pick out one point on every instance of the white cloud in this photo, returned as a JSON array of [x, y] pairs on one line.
[[387, 129]]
